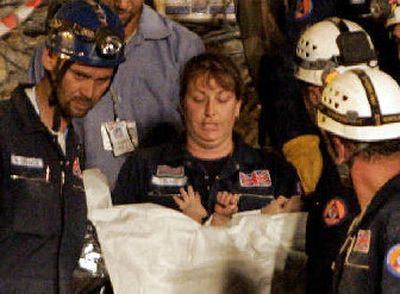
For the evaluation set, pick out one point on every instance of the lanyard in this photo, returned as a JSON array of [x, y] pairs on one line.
[[114, 99]]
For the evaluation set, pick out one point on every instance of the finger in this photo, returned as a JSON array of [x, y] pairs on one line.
[[221, 199], [178, 200], [226, 198], [281, 200], [184, 194], [294, 204], [234, 199], [272, 208], [190, 191]]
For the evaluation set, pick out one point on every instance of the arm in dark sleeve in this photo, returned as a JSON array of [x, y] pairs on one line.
[[286, 181], [128, 184]]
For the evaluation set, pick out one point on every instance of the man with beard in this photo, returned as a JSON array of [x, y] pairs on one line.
[[359, 115], [144, 95], [42, 201]]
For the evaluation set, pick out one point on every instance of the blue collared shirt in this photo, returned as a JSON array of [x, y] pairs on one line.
[[146, 84]]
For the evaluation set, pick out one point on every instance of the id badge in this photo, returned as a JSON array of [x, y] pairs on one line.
[[120, 137]]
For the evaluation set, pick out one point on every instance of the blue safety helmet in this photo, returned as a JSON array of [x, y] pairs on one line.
[[88, 32]]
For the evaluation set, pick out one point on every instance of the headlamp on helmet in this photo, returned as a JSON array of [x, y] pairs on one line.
[[90, 39], [332, 44]]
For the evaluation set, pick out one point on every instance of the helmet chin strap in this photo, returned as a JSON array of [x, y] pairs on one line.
[[60, 71]]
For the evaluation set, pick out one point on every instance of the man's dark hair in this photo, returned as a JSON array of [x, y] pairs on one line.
[[370, 149], [214, 66]]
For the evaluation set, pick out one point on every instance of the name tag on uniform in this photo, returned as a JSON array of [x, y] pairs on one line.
[[257, 178], [31, 162], [169, 176]]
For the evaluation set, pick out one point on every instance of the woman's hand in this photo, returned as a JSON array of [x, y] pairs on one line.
[[225, 207], [190, 203]]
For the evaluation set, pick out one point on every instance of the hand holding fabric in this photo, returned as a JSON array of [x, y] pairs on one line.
[[226, 206], [190, 204]]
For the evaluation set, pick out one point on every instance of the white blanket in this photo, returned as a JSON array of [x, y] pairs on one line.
[[152, 249]]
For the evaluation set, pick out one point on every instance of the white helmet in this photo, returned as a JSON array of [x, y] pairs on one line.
[[394, 17], [361, 105], [333, 44]]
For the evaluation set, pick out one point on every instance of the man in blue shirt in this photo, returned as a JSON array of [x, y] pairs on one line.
[[141, 106]]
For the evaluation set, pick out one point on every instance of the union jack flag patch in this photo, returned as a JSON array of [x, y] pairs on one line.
[[257, 178]]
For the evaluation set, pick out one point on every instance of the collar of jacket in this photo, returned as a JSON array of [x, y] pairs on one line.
[[387, 193], [153, 26], [27, 115]]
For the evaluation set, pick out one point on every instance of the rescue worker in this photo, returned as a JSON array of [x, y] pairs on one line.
[[359, 113], [43, 206], [143, 98], [323, 50], [208, 161]]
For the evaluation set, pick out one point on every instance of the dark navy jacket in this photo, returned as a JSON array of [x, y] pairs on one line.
[[155, 174], [42, 203], [370, 260], [327, 231]]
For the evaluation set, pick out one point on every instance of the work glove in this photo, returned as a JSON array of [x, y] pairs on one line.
[[304, 153]]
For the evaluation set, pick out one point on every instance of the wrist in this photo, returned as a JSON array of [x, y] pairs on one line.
[[197, 216], [220, 219]]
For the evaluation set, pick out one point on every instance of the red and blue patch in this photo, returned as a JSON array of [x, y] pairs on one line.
[[335, 212], [393, 260], [256, 178], [304, 9], [76, 168]]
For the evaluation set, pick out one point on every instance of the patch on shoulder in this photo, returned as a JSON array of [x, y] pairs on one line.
[[304, 9], [335, 211], [393, 260], [363, 241]]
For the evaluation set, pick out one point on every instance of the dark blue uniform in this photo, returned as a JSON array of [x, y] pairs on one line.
[[369, 261], [42, 203], [331, 209], [155, 174], [332, 206]]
